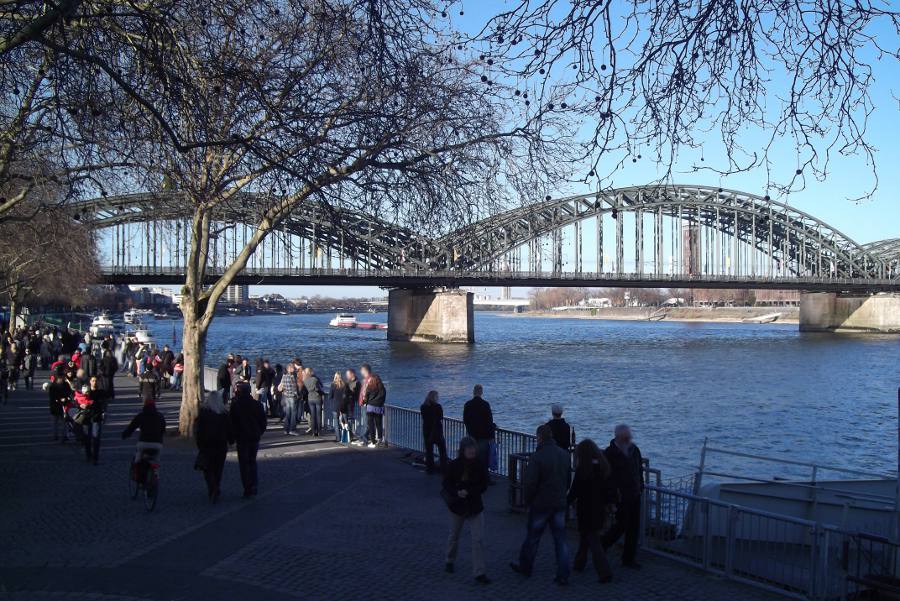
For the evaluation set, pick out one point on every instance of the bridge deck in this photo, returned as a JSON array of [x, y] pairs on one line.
[[329, 523], [426, 279]]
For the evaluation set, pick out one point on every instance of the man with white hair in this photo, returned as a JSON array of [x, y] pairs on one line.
[[563, 433], [628, 476]]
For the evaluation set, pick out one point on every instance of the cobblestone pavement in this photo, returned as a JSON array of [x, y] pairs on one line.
[[330, 523]]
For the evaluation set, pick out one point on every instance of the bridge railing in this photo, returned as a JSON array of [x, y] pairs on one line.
[[623, 278]]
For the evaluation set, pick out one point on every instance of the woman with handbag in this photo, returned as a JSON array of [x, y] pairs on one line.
[[213, 433], [465, 481]]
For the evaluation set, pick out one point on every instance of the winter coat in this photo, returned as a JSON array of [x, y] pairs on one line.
[[248, 419], [562, 433], [627, 471], [213, 430], [547, 477], [376, 395], [591, 495], [432, 421], [479, 419], [468, 475], [150, 422]]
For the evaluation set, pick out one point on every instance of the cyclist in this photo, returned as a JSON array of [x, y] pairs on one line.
[[152, 425]]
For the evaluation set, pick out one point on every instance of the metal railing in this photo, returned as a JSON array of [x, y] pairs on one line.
[[403, 429], [791, 556]]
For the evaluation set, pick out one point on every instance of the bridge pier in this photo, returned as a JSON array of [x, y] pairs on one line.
[[431, 315], [832, 312]]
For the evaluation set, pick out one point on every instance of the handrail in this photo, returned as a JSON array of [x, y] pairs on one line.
[[800, 463]]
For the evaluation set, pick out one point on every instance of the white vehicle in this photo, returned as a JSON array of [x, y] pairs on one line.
[[144, 336], [343, 320], [131, 317]]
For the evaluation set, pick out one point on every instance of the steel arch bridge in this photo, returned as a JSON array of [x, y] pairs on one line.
[[641, 236]]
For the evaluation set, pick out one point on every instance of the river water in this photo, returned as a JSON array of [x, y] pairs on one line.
[[763, 389]]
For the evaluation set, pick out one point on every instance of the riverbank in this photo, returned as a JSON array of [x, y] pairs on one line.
[[787, 315]]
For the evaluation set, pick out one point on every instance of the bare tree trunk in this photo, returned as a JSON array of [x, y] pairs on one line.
[[13, 313], [194, 348]]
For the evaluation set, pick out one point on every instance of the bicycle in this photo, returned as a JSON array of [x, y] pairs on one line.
[[143, 477]]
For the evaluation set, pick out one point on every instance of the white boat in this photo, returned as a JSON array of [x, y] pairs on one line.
[[762, 318], [102, 326], [131, 317], [144, 336], [343, 320]]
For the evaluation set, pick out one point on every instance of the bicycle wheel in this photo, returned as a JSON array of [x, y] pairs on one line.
[[132, 481], [151, 490]]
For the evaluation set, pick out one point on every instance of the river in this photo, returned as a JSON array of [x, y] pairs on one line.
[[764, 389]]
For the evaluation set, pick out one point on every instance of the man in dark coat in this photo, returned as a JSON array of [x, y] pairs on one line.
[[563, 433], [479, 421], [223, 378], [546, 483], [248, 420], [628, 475], [433, 431]]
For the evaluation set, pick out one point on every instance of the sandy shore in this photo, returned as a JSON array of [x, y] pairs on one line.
[[789, 315]]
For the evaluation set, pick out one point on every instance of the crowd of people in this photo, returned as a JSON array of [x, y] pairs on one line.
[[604, 485]]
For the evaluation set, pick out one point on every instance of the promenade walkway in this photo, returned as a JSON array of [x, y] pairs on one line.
[[329, 523]]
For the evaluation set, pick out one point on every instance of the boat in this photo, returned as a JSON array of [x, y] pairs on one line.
[[161, 316], [371, 326], [102, 326], [769, 318], [658, 315], [144, 336], [343, 320], [131, 317]]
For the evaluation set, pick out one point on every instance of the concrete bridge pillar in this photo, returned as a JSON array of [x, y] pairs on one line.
[[832, 312], [431, 315]]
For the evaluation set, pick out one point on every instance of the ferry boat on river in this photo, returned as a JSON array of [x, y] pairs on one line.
[[348, 320], [102, 326]]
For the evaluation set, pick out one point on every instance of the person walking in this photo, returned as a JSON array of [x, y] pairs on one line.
[[93, 423], [249, 422], [433, 432], [290, 400], [594, 495], [29, 365], [376, 396], [546, 483], [479, 421], [465, 481], [58, 392], [277, 398], [314, 396], [336, 398], [107, 371], [628, 476], [213, 432]]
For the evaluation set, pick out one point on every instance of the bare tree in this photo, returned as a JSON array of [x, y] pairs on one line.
[[349, 104], [44, 256], [656, 77]]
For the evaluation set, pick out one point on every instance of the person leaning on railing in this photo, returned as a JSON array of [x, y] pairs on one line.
[[433, 431]]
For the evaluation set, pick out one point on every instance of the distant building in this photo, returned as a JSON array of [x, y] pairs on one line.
[[237, 295]]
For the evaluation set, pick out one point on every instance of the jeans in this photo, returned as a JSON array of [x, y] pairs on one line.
[[247, 462], [264, 401], [29, 381], [538, 519], [291, 406], [58, 423], [589, 541], [476, 531], [362, 425], [628, 522], [436, 441], [484, 451], [315, 418], [176, 380], [92, 431]]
